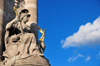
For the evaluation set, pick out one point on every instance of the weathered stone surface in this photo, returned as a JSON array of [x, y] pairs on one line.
[[1, 64], [32, 65], [34, 60], [31, 5]]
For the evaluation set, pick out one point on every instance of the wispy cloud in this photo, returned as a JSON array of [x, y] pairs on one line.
[[79, 55], [87, 35], [71, 59], [98, 56], [88, 58], [62, 41], [99, 53]]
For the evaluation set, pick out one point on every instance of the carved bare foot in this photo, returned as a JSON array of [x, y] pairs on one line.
[[24, 55], [41, 54]]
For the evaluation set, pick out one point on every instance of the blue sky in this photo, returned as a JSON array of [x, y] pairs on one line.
[[72, 37]]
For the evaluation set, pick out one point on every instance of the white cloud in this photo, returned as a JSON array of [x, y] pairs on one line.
[[87, 35], [71, 59], [99, 53], [88, 58], [62, 41], [79, 55], [74, 58], [98, 56]]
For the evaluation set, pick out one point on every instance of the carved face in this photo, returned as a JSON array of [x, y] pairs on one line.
[[26, 18]]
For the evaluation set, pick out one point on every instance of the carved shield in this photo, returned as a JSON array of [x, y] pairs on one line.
[[12, 50]]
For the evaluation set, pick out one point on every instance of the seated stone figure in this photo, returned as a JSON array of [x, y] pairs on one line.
[[22, 47], [19, 40]]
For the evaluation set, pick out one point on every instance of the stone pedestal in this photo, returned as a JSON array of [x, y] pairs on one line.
[[34, 60]]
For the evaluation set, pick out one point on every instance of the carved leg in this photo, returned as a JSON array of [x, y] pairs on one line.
[[26, 48], [32, 48], [21, 48]]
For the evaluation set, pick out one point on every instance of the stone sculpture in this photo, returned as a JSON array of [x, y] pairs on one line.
[[22, 47]]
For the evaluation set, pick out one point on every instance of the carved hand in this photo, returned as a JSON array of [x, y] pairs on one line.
[[16, 19]]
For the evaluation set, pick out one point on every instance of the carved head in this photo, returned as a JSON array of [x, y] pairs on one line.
[[24, 11], [24, 17]]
